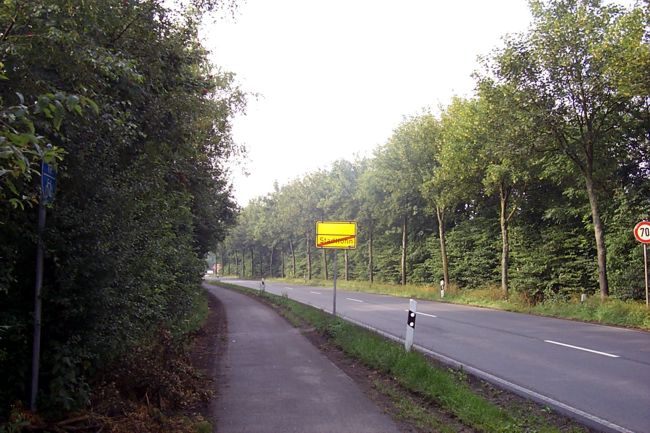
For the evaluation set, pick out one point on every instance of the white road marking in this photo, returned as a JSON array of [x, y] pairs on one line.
[[288, 288], [582, 348], [316, 293], [425, 314], [354, 300]]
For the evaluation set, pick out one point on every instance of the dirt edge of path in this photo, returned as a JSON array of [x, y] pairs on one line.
[[209, 346]]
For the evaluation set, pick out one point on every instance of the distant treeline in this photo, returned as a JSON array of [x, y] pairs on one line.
[[534, 184]]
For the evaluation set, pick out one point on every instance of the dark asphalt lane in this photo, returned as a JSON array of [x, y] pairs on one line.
[[599, 374]]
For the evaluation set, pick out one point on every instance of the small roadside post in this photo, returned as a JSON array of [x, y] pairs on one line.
[[338, 235], [442, 289], [410, 325], [642, 234]]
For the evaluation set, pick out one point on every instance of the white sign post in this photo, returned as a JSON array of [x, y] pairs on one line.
[[442, 289], [410, 325], [642, 234]]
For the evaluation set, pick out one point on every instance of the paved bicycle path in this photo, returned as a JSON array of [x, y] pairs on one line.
[[273, 380]]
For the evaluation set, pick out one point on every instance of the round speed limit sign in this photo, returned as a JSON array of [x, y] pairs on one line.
[[642, 232]]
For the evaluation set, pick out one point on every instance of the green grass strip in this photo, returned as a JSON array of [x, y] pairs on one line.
[[412, 370], [629, 313]]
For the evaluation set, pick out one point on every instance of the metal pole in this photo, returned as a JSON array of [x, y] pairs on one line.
[[36, 352], [335, 275], [645, 267]]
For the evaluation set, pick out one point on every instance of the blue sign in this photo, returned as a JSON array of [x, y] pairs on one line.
[[48, 183]]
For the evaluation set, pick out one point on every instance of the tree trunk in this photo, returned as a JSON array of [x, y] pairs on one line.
[[243, 264], [293, 259], [404, 246], [271, 262], [308, 258], [371, 275], [252, 263], [347, 276], [440, 213], [599, 232], [505, 244], [283, 268]]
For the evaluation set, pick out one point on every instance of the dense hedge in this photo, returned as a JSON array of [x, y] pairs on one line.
[[139, 121]]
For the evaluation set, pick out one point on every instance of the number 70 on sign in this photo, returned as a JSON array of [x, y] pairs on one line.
[[642, 232]]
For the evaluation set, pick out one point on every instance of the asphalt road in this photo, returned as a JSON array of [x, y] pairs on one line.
[[273, 380], [597, 374]]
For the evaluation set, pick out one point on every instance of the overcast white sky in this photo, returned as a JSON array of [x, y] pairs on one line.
[[336, 77]]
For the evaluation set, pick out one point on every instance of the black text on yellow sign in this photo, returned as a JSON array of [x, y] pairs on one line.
[[336, 234]]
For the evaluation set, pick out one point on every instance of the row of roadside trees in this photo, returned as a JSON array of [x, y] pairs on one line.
[[533, 184]]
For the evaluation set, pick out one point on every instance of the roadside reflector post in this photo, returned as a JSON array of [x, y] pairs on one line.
[[442, 289], [410, 325]]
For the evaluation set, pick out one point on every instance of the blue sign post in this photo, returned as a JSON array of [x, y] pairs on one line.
[[48, 189], [48, 183]]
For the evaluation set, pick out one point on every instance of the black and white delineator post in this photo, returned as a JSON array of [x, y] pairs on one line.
[[410, 325]]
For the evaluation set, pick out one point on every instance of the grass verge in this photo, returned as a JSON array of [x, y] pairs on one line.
[[631, 314], [447, 389], [156, 388]]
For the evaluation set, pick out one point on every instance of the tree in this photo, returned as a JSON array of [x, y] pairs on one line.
[[401, 165], [508, 165], [370, 196], [563, 70], [142, 189], [456, 176]]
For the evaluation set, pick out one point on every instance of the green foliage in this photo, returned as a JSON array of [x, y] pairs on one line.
[[580, 75], [139, 123], [474, 257], [527, 181]]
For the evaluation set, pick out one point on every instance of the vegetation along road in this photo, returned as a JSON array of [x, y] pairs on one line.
[[598, 374], [117, 155]]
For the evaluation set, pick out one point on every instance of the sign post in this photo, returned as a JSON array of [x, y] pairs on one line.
[[338, 235], [48, 187], [642, 234], [335, 275]]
